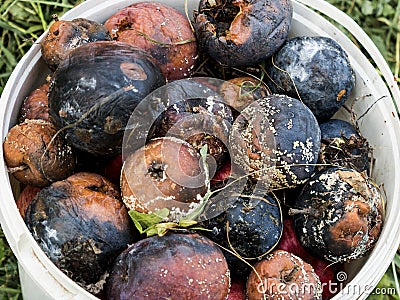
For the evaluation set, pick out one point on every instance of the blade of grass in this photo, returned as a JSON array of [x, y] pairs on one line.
[[38, 9], [7, 6], [51, 3], [14, 27], [8, 55]]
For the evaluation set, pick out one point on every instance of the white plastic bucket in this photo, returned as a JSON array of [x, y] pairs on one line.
[[40, 279]]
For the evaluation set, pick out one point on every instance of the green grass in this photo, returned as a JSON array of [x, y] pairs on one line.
[[380, 19], [9, 280], [23, 21]]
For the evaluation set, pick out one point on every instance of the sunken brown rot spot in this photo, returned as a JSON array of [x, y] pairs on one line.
[[351, 230], [36, 155], [82, 225], [165, 170], [280, 271], [112, 125], [64, 35], [242, 32], [180, 265], [160, 30], [133, 71], [248, 154]]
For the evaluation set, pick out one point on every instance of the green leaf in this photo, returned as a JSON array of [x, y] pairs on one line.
[[51, 3], [367, 8], [154, 230], [187, 223], [162, 228], [387, 10], [198, 209], [2, 251], [143, 221], [380, 43]]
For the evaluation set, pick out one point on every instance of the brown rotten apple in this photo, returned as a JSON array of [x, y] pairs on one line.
[[242, 32], [324, 269], [160, 30], [36, 105], [283, 275], [63, 36], [166, 172], [36, 155]]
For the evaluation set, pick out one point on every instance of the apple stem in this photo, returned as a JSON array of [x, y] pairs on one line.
[[16, 169], [306, 211]]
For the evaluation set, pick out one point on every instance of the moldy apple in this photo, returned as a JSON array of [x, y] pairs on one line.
[[339, 214]]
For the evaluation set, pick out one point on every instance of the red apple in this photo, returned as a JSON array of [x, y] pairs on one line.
[[112, 170], [28, 193], [222, 174], [237, 290]]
